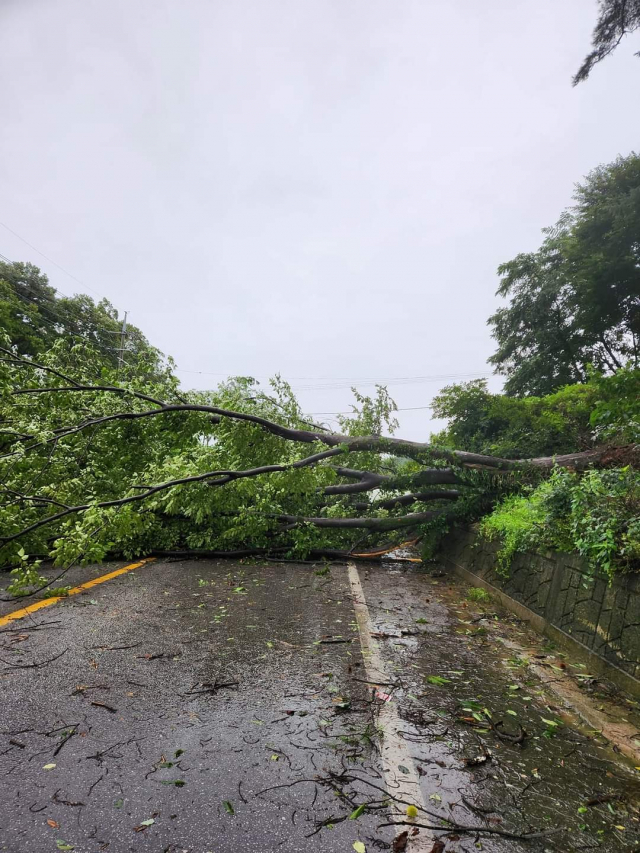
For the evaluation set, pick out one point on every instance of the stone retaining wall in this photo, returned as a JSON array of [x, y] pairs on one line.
[[600, 623]]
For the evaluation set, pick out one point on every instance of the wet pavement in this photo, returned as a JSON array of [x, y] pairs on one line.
[[218, 706]]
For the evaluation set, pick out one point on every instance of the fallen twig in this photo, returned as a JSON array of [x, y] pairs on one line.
[[106, 707], [457, 827], [33, 665], [69, 735]]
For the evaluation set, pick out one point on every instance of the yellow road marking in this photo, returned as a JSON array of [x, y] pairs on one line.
[[47, 602]]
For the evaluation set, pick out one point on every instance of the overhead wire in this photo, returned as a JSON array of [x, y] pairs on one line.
[[313, 383], [53, 324], [51, 261], [65, 308], [402, 409]]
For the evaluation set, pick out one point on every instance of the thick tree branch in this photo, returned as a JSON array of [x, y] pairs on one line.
[[371, 443], [390, 523], [367, 480], [410, 498], [223, 477], [420, 451]]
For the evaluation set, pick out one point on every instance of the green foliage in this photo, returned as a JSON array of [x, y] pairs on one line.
[[616, 413], [596, 514], [516, 522], [516, 428], [605, 408], [575, 303], [34, 317], [481, 491], [56, 592], [25, 576], [477, 593], [114, 461]]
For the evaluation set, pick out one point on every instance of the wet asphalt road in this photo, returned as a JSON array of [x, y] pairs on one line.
[[215, 706]]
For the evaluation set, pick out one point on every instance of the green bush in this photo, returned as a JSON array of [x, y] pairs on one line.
[[604, 409], [596, 514], [477, 593], [616, 414]]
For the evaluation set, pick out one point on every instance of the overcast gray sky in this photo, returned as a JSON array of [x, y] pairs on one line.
[[318, 187]]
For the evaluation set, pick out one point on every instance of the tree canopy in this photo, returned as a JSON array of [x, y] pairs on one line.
[[574, 304], [35, 316]]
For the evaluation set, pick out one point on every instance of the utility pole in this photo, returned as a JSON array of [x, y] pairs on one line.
[[123, 333]]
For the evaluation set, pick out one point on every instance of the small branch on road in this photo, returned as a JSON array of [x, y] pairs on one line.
[[33, 665]]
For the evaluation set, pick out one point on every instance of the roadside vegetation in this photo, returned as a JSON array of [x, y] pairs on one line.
[[568, 346], [103, 454]]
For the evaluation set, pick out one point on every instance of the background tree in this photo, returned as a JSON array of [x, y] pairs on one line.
[[575, 303], [35, 317], [616, 19]]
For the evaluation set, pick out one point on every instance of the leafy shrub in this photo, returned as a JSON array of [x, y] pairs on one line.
[[606, 408], [616, 414], [512, 427], [477, 593], [596, 514]]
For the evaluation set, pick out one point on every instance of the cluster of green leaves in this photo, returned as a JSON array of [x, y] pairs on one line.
[[596, 514], [616, 414], [574, 305], [513, 427], [605, 408]]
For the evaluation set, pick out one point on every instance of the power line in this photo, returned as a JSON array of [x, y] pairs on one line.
[[333, 378], [74, 315], [52, 299], [337, 383], [54, 325], [407, 409], [51, 261], [409, 380]]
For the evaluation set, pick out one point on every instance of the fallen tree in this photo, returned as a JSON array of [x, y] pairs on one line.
[[91, 466]]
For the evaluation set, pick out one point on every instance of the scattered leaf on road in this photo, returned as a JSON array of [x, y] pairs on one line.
[[400, 842], [437, 679]]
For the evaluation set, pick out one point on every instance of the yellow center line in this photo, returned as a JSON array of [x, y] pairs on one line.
[[47, 602]]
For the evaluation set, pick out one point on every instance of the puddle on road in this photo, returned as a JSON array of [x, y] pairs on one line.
[[492, 746]]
